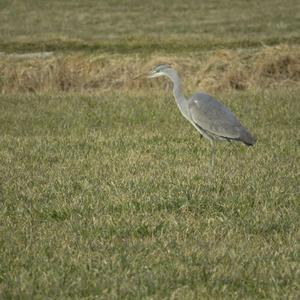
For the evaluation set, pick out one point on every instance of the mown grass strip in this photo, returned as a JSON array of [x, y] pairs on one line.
[[148, 45]]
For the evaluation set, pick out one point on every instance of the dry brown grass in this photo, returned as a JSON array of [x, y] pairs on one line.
[[218, 70], [269, 67]]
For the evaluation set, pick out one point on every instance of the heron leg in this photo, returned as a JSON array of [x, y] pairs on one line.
[[212, 153]]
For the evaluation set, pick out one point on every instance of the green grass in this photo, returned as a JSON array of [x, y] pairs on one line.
[[113, 196], [146, 26], [106, 192]]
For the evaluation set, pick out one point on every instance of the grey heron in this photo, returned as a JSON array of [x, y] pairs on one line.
[[211, 118]]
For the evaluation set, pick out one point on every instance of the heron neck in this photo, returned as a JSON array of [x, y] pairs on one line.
[[177, 92]]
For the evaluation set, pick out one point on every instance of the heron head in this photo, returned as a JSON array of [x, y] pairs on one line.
[[159, 70]]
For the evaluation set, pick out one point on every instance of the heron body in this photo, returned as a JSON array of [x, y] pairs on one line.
[[211, 118], [215, 122]]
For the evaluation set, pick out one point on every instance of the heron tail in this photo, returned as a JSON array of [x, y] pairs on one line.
[[247, 138]]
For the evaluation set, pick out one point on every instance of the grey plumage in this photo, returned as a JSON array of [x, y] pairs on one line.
[[215, 121], [210, 117]]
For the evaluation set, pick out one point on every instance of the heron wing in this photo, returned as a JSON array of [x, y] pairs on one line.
[[213, 117]]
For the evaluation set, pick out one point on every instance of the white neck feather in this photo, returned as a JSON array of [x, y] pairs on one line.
[[177, 92]]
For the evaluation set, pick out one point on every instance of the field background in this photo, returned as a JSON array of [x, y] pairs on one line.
[[106, 192]]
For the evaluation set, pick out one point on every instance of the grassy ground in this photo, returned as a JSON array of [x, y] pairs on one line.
[[146, 26], [113, 196], [107, 192]]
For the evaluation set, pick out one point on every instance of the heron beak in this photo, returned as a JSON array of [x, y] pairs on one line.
[[138, 76], [153, 74]]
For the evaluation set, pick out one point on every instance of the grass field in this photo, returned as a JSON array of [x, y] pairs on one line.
[[146, 26], [107, 192]]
